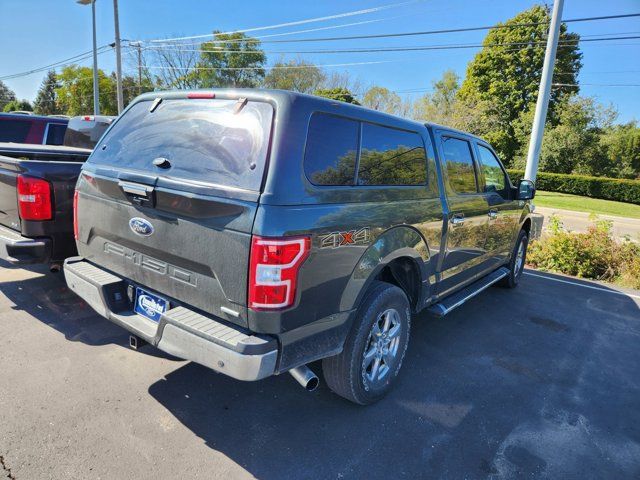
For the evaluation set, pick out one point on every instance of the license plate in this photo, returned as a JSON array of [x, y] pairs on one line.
[[150, 305]]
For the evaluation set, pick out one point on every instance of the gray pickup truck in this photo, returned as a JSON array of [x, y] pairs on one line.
[[257, 231]]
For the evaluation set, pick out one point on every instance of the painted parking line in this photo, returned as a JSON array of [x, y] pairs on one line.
[[601, 289]]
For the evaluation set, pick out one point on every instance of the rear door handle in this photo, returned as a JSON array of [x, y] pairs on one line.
[[457, 220], [135, 188], [142, 195], [493, 214]]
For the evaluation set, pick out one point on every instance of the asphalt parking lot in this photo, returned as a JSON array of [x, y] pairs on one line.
[[542, 381]]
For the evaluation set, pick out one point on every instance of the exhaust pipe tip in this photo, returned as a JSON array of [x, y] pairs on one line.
[[305, 377], [55, 267], [312, 384]]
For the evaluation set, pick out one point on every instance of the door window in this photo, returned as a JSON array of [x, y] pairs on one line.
[[494, 176], [459, 164]]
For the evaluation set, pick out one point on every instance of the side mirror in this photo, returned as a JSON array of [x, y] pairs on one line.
[[526, 190]]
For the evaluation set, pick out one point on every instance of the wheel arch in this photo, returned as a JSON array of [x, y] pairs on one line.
[[399, 256]]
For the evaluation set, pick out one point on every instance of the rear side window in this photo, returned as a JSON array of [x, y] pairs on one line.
[[391, 157], [459, 164], [14, 130], [332, 146], [55, 134], [84, 133], [205, 140]]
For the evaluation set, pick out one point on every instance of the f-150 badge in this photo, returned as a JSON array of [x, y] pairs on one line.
[[341, 239]]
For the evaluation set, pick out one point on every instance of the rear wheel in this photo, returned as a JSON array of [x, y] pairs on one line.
[[517, 262], [373, 352]]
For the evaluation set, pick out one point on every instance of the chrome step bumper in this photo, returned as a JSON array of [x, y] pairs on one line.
[[180, 331]]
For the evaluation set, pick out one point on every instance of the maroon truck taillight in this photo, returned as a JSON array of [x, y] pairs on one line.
[[34, 198], [75, 214], [273, 270]]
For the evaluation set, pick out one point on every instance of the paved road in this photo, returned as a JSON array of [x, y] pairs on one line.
[[538, 382], [580, 221]]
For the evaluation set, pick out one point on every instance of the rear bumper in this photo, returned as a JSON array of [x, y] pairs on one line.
[[20, 250], [180, 331]]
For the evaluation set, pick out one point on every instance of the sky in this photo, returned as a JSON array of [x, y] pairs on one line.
[[36, 33]]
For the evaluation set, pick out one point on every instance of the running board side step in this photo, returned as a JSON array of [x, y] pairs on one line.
[[452, 302]]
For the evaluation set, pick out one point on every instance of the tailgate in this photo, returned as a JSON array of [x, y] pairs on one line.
[[169, 198], [192, 248], [8, 194]]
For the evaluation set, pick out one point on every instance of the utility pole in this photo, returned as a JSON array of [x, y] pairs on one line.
[[96, 93], [138, 46], [118, 58], [545, 91]]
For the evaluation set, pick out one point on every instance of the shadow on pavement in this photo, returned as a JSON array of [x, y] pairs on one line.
[[45, 296], [537, 381]]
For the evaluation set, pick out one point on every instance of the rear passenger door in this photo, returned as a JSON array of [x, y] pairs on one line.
[[465, 255], [504, 212]]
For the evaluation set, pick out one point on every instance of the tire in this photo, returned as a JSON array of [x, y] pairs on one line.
[[350, 374], [516, 264]]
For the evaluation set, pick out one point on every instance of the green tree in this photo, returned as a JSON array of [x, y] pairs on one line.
[[381, 98], [6, 95], [230, 60], [295, 75], [621, 144], [573, 144], [507, 72], [131, 89], [75, 94], [46, 102], [340, 94], [441, 104], [444, 106], [18, 105]]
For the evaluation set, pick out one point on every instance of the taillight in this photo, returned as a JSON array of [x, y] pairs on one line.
[[75, 214], [34, 198], [273, 270]]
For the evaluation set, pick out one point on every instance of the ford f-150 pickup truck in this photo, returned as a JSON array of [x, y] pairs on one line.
[[257, 231]]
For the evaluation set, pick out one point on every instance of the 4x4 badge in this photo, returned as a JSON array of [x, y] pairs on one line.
[[340, 239]]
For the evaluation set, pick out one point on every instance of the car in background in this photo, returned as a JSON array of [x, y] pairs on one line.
[[34, 129], [86, 130], [37, 184]]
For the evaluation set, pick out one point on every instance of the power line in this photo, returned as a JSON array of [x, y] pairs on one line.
[[282, 34], [273, 67], [61, 63], [299, 22], [104, 48], [403, 49], [408, 34], [596, 84]]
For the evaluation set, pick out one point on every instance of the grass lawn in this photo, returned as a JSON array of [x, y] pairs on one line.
[[585, 204]]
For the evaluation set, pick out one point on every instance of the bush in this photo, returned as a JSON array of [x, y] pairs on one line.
[[617, 189], [594, 254]]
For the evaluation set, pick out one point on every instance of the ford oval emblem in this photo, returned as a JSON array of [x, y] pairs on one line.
[[140, 226]]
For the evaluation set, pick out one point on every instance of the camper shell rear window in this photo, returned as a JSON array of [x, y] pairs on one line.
[[218, 141]]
